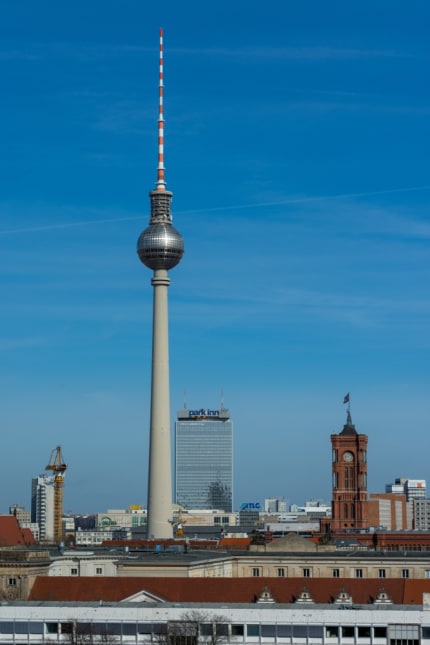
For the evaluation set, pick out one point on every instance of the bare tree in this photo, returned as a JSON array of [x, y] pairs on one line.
[[197, 627]]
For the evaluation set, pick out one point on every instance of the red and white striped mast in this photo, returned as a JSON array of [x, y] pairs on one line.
[[161, 184]]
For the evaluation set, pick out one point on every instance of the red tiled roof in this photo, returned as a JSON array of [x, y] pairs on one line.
[[235, 543], [229, 590], [11, 534]]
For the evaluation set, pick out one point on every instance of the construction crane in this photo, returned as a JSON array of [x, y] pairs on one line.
[[58, 468]]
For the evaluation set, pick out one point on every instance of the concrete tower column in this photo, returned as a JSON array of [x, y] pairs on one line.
[[159, 476]]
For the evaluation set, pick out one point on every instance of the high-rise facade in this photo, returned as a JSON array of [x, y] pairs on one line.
[[42, 505], [349, 478], [416, 501], [275, 505], [204, 459], [412, 488]]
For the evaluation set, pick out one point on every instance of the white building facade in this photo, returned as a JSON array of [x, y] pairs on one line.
[[149, 621], [42, 506]]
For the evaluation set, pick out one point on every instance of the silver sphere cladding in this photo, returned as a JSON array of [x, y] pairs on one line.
[[160, 246]]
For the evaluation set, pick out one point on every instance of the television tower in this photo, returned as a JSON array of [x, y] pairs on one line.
[[160, 247]]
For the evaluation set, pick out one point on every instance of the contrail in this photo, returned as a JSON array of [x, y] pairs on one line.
[[281, 202], [301, 200], [50, 227]]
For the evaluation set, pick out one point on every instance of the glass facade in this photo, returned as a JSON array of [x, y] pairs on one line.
[[204, 460]]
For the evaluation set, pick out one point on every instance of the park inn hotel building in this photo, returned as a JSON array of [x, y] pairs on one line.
[[204, 459]]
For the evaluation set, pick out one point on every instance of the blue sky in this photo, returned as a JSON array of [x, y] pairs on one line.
[[297, 149]]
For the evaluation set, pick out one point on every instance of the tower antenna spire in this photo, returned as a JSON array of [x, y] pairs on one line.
[[161, 183]]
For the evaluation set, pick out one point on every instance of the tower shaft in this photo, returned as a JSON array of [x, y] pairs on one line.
[[159, 476]]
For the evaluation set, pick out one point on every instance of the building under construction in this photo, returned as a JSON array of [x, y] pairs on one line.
[[47, 499]]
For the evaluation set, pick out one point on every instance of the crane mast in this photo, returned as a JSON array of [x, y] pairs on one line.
[[57, 466]]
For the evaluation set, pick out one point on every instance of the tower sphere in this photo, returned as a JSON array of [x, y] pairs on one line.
[[160, 246]]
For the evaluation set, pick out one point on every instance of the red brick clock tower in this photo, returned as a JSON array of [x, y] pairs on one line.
[[349, 478]]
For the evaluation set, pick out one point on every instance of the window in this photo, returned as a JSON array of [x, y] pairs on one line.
[[256, 572], [51, 628], [359, 573], [381, 573], [73, 571], [427, 573], [306, 573], [99, 571], [144, 628], [237, 630], [35, 628], [335, 480], [404, 634], [332, 631], [6, 627], [380, 632], [112, 629], [253, 630], [348, 631], [12, 582], [363, 632], [349, 477], [281, 572], [334, 456], [405, 573], [221, 629], [335, 573], [66, 628], [159, 628], [269, 631], [206, 629], [22, 628]]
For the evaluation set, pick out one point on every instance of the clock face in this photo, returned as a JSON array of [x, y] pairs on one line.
[[348, 456]]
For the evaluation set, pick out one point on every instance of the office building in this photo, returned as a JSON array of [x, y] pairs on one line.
[[388, 511], [42, 505], [204, 459], [275, 505], [421, 511], [412, 488]]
